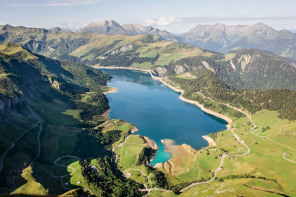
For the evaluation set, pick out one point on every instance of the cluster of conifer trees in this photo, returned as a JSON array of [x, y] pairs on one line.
[[107, 181]]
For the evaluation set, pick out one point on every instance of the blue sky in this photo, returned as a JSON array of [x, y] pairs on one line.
[[172, 15]]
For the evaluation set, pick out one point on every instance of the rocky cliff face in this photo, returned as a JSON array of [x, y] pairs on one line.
[[177, 69], [7, 103], [160, 71]]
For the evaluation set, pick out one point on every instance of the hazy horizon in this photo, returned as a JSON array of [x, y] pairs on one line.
[[173, 16]]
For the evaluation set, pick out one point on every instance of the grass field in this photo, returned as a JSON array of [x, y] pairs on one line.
[[129, 151], [128, 155], [77, 178], [265, 159], [31, 187], [116, 124]]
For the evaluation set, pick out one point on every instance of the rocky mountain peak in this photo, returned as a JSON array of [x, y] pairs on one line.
[[6, 27], [108, 27], [109, 22]]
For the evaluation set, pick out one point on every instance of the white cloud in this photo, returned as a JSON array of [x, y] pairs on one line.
[[183, 24], [70, 26], [162, 21], [165, 21], [255, 18], [47, 3]]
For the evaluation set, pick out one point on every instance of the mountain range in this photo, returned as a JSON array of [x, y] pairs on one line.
[[111, 27], [216, 37], [245, 68], [225, 38]]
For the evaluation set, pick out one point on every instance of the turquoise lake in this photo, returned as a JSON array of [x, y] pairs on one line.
[[157, 111]]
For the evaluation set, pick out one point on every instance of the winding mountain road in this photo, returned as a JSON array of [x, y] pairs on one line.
[[55, 163], [124, 172], [38, 139], [284, 156], [114, 154]]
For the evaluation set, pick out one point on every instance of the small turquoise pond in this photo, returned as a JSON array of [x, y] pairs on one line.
[[157, 111]]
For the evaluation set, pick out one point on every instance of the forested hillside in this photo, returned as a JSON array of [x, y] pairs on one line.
[[208, 84]]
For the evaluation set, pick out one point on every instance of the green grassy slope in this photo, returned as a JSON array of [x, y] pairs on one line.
[[34, 129]]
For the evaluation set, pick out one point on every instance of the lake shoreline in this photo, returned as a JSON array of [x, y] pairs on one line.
[[211, 142], [227, 119]]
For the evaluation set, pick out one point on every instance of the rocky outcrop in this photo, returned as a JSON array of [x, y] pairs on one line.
[[118, 50], [55, 83], [160, 71], [122, 49], [180, 69], [245, 60], [177, 69], [207, 65], [7, 103]]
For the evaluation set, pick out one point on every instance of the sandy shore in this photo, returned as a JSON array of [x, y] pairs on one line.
[[211, 142], [112, 90], [227, 119], [168, 143], [170, 146], [134, 129]]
